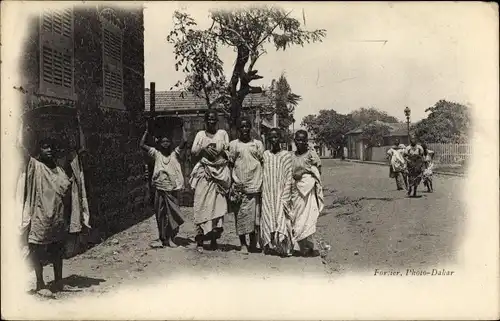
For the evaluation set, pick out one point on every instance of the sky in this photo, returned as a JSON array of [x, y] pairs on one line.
[[429, 52]]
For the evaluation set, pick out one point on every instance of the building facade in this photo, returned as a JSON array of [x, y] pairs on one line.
[[90, 59]]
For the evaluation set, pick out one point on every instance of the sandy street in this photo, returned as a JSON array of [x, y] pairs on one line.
[[367, 222]]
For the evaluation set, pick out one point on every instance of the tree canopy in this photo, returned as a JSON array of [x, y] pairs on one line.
[[247, 31], [330, 126], [365, 116], [447, 122], [284, 101]]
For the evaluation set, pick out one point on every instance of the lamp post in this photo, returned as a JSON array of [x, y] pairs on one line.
[[407, 114]]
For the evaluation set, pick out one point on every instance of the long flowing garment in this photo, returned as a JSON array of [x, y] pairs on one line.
[[167, 180], [54, 205], [247, 179], [307, 197], [276, 202], [397, 167], [211, 180], [415, 163]]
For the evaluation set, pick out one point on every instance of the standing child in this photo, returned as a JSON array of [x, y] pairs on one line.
[[307, 194], [168, 181], [54, 205], [428, 166], [275, 225], [246, 159]]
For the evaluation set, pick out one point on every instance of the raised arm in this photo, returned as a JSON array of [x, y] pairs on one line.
[[142, 143]]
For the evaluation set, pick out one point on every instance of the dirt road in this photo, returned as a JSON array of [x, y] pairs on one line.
[[367, 222]]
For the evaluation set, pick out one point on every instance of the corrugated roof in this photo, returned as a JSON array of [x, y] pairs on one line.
[[176, 100]]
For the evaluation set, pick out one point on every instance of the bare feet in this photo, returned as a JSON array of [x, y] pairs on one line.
[[171, 243], [46, 293], [244, 249], [157, 244]]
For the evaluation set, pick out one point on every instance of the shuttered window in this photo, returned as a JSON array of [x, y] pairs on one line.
[[113, 82], [112, 40], [57, 67], [57, 53], [58, 21]]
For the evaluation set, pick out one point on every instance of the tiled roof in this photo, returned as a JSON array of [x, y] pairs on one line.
[[176, 100]]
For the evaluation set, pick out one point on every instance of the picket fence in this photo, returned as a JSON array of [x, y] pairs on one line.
[[451, 153], [444, 154]]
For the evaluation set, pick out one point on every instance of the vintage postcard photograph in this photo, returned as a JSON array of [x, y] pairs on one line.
[[250, 160]]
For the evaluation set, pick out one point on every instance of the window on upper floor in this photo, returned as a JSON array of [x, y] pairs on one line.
[[57, 53], [112, 46]]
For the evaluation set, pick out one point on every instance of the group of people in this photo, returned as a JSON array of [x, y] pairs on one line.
[[410, 165], [275, 195]]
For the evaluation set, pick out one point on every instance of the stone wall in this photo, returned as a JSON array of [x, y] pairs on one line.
[[114, 165]]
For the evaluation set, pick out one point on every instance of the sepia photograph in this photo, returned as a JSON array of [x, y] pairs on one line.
[[250, 160]]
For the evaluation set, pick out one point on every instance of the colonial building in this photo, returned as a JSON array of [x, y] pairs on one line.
[[358, 147], [91, 59]]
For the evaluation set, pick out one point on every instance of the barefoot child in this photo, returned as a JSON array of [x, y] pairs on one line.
[[246, 159], [307, 194], [54, 205], [167, 180]]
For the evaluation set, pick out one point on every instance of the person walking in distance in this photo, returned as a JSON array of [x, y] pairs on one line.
[[397, 166]]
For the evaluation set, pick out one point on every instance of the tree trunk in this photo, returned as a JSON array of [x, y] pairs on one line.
[[236, 105]]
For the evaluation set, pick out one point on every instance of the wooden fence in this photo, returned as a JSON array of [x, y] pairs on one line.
[[445, 154], [451, 153]]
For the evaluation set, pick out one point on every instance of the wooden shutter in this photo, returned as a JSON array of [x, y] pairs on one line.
[[57, 67], [56, 53], [112, 65], [58, 21], [113, 82]]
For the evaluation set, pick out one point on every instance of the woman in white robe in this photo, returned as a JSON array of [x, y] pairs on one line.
[[211, 180], [307, 194]]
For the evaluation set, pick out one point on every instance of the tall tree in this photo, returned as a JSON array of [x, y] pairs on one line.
[[365, 116], [374, 133], [329, 127], [247, 31], [447, 122], [284, 103]]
